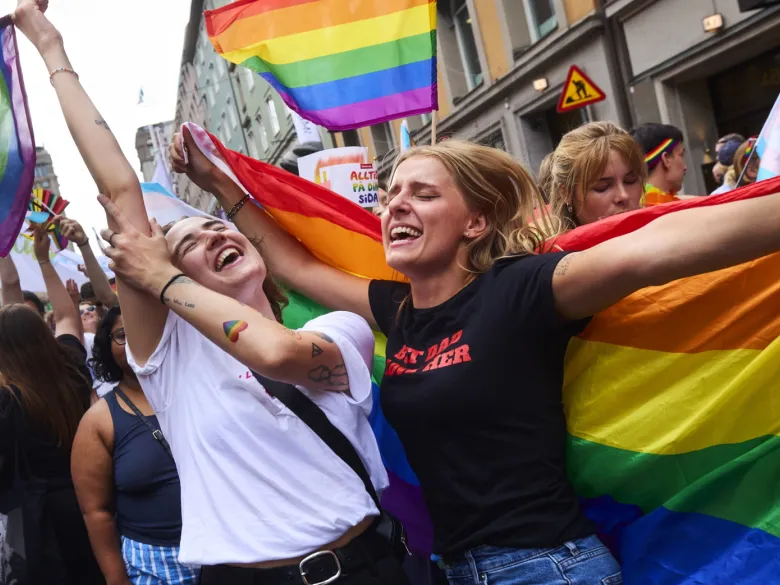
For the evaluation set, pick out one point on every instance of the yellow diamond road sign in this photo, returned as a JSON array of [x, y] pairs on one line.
[[578, 91]]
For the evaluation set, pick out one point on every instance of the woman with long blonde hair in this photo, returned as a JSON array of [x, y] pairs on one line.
[[597, 170]]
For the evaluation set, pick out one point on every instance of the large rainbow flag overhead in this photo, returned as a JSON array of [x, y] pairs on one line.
[[672, 395], [340, 63], [17, 145]]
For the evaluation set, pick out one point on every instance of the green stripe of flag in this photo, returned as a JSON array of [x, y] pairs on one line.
[[349, 63], [737, 482]]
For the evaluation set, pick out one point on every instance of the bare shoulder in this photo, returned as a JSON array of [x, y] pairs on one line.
[[97, 421]]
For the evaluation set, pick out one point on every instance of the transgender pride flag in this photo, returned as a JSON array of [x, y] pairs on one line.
[[768, 145]]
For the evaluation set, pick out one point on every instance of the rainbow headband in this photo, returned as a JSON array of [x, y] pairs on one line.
[[654, 156]]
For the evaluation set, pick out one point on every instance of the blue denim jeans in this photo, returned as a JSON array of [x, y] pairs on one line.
[[585, 561]]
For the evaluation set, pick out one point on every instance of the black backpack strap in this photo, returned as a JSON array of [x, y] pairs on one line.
[[317, 420], [156, 433]]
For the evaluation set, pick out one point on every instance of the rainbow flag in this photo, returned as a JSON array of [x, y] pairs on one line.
[[17, 145], [339, 63], [671, 395]]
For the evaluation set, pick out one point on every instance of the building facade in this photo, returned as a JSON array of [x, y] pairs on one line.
[[652, 58], [149, 140], [45, 177]]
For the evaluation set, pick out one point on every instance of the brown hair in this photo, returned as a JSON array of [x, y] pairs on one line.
[[580, 159], [273, 292], [500, 188], [45, 374]]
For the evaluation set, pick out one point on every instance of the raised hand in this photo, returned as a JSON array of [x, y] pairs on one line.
[[73, 291], [194, 163], [72, 230], [41, 242], [139, 260], [29, 18]]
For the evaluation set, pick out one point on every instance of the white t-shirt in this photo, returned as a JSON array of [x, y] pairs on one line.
[[256, 483]]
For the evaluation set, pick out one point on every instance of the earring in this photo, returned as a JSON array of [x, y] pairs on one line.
[[569, 208]]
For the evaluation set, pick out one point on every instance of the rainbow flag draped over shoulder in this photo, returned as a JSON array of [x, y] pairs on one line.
[[340, 63], [17, 145], [671, 395]]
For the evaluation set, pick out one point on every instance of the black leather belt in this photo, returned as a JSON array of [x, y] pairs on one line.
[[319, 568]]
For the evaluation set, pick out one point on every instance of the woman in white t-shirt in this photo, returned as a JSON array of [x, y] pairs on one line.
[[261, 493]]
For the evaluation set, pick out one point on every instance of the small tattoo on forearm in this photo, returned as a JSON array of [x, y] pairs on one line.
[[336, 376], [315, 350], [102, 122], [178, 302], [233, 328], [189, 305], [563, 266], [322, 336]]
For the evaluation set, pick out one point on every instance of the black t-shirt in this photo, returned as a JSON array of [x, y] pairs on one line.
[[47, 460], [473, 389]]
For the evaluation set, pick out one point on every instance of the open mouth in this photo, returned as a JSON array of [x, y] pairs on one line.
[[227, 257], [404, 234]]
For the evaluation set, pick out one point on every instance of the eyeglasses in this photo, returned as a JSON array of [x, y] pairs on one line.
[[89, 309], [118, 337]]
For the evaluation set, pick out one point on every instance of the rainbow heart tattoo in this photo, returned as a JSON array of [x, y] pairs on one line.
[[233, 328]]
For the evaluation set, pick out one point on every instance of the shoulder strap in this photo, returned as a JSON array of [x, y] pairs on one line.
[[317, 420], [156, 433]]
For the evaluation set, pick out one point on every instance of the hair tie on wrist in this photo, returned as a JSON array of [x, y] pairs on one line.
[[168, 284], [237, 207], [61, 70]]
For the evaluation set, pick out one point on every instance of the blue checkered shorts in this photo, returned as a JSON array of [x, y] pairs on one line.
[[156, 565]]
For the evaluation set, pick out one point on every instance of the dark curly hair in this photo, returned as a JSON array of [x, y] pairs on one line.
[[103, 364]]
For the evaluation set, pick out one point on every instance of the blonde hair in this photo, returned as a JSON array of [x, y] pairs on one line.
[[545, 175], [740, 160], [580, 159], [496, 185]]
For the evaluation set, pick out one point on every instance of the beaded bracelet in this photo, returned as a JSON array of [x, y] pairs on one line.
[[237, 207], [61, 70]]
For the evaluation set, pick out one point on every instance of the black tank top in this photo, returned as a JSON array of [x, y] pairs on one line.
[[146, 485]]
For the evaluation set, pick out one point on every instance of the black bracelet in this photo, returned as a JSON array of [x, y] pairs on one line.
[[237, 207], [170, 282]]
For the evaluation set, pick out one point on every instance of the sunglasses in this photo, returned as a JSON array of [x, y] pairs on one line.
[[89, 309], [118, 337]]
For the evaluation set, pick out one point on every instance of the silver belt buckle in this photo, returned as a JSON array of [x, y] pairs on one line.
[[314, 556]]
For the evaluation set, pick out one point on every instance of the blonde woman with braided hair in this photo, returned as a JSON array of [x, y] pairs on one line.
[[598, 170], [476, 339]]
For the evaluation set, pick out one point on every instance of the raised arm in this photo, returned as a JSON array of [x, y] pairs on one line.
[[72, 230], [93, 478], [66, 316], [9, 280], [101, 153], [254, 338], [676, 245], [286, 257]]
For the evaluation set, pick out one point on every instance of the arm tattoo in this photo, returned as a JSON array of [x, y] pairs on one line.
[[322, 336], [335, 377], [102, 122], [563, 265], [315, 350]]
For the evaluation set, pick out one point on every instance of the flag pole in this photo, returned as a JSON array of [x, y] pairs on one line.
[[99, 241], [433, 128]]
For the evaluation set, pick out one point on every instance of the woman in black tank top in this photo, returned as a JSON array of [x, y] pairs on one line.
[[125, 477]]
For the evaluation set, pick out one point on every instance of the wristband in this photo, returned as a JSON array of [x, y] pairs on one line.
[[237, 207], [168, 284], [84, 243]]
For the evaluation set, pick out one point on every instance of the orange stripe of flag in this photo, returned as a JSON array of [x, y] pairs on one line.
[[735, 308], [240, 29]]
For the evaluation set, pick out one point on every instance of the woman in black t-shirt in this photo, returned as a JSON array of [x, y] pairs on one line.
[[476, 341], [45, 389]]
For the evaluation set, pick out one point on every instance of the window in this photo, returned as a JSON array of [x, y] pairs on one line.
[[212, 101], [45, 184], [273, 118], [541, 18], [232, 114], [249, 78], [467, 45], [250, 138], [226, 126], [288, 110], [213, 73], [262, 132], [351, 138], [221, 67], [383, 138]]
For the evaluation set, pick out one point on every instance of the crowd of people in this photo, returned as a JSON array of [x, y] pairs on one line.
[[187, 436]]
